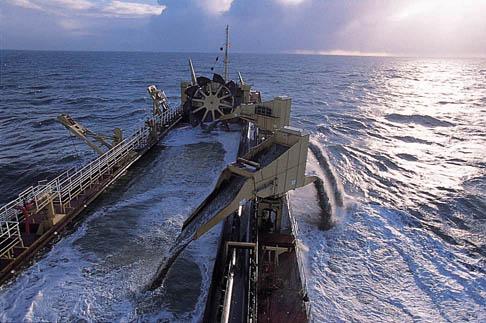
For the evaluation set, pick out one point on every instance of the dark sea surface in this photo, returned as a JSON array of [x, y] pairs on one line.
[[406, 136]]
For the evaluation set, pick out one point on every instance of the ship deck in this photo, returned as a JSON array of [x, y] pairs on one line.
[[280, 296]]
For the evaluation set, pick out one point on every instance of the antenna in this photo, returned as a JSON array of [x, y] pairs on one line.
[[226, 60]]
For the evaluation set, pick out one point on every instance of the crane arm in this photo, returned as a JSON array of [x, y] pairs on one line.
[[92, 139]]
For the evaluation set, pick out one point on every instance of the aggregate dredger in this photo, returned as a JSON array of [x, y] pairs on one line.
[[258, 275]]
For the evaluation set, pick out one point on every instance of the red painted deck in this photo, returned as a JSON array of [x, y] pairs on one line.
[[280, 297]]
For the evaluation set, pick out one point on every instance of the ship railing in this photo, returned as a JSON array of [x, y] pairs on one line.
[[70, 184], [9, 238], [89, 174], [300, 260]]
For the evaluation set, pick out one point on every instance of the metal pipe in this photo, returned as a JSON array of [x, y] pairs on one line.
[[229, 290]]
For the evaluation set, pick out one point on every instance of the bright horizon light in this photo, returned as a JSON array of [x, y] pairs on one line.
[[432, 28]]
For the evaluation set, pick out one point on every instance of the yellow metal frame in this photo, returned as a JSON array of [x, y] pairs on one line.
[[286, 172]]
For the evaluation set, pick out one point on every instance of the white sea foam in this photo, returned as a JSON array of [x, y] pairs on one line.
[[372, 266]]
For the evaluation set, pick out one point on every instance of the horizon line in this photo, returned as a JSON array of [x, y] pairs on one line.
[[344, 53]]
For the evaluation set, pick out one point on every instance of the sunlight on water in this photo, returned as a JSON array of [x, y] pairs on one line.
[[408, 155]]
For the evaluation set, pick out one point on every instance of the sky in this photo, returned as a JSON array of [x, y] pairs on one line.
[[358, 27]]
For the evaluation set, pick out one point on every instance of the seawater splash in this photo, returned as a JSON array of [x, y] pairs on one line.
[[167, 263], [324, 204], [331, 176], [329, 188]]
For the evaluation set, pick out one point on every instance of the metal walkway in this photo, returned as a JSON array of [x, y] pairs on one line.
[[57, 195]]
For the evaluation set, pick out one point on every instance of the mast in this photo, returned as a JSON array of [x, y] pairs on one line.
[[226, 60], [193, 74]]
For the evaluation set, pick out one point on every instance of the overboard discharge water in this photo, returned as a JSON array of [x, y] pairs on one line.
[[329, 188], [218, 199]]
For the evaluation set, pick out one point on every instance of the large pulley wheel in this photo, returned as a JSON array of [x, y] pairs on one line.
[[210, 99]]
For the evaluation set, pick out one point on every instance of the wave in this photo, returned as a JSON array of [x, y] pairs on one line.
[[449, 102], [39, 87], [411, 139], [86, 100], [407, 157], [423, 120], [43, 123], [45, 100], [139, 100]]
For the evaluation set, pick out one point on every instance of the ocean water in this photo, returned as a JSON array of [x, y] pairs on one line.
[[406, 138]]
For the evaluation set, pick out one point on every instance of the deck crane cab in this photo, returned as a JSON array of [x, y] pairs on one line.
[[159, 100]]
